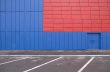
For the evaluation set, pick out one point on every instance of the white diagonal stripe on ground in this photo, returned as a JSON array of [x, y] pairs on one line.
[[43, 64], [12, 61], [88, 62]]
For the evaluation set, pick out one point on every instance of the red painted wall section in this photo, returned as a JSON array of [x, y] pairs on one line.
[[76, 16]]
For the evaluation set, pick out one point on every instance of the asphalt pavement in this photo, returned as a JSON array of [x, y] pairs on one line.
[[54, 63]]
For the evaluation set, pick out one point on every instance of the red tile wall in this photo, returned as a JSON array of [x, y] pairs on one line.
[[76, 16]]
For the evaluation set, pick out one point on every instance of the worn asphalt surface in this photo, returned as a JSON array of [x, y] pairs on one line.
[[53, 64]]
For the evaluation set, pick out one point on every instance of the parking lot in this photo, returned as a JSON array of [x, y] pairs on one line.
[[54, 63]]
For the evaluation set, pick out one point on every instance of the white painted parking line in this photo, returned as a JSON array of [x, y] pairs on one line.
[[43, 64], [12, 61], [80, 70], [54, 55]]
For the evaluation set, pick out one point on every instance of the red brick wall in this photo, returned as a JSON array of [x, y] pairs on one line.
[[76, 16]]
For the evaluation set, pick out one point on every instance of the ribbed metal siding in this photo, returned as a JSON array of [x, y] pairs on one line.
[[21, 28], [76, 15]]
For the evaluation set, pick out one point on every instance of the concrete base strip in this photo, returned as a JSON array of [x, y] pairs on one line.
[[12, 61], [80, 70], [43, 64]]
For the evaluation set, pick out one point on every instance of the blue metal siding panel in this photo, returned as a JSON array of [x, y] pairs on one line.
[[32, 38], [0, 32], [79, 39], [20, 5], [13, 5], [94, 40], [41, 41], [2, 5], [21, 22], [17, 21], [32, 22], [104, 40], [13, 22], [27, 40], [8, 22], [40, 4], [27, 21], [13, 40], [52, 40], [108, 41], [36, 42], [8, 39], [40, 22], [8, 5], [3, 40], [2, 21], [48, 39]]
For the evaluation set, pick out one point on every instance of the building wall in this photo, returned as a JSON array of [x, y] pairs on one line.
[[21, 28], [76, 15]]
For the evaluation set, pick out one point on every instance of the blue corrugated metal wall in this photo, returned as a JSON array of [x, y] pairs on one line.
[[21, 28]]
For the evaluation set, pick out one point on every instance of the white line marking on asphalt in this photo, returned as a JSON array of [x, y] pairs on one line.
[[80, 70], [43, 64], [55, 55], [12, 61]]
